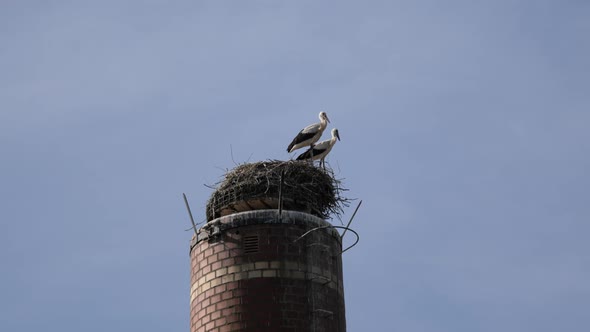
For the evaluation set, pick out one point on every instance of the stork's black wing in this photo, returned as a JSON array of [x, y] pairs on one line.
[[301, 137], [308, 154]]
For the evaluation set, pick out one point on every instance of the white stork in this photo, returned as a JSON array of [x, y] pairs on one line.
[[320, 150], [310, 134]]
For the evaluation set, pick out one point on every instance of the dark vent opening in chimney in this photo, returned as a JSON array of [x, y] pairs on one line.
[[250, 244]]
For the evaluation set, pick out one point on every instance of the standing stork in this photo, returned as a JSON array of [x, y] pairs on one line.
[[310, 134], [320, 150]]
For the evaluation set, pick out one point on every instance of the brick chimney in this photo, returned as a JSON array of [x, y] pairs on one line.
[[262, 270]]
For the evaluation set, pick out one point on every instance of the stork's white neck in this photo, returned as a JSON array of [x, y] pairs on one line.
[[334, 138], [323, 123]]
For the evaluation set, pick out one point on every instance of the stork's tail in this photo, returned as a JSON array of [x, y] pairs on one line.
[[305, 155], [291, 146]]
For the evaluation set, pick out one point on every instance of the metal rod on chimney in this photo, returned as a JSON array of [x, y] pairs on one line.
[[190, 213], [357, 208]]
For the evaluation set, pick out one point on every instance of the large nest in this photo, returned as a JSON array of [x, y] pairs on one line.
[[256, 186]]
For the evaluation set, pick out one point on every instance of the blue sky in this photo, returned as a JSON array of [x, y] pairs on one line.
[[464, 129]]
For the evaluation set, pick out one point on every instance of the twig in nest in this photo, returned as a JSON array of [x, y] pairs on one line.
[[304, 184]]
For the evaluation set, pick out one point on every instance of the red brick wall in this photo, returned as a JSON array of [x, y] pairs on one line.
[[273, 284]]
